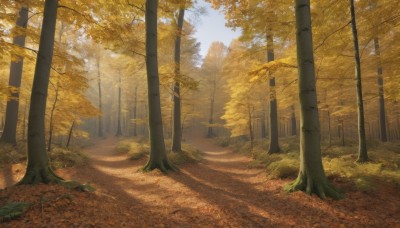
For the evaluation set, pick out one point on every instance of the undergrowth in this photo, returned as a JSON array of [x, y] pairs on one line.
[[339, 162], [59, 157], [63, 157], [137, 148]]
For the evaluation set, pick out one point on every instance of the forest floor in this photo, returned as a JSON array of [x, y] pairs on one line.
[[220, 191]]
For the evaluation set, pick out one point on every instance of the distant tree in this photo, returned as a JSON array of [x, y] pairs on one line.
[[158, 157], [311, 178], [10, 124]]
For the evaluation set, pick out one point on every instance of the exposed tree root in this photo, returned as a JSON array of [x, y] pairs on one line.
[[40, 175], [163, 165], [314, 185]]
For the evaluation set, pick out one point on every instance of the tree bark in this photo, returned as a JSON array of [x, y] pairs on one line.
[[158, 156], [362, 147], [38, 169], [293, 122], [311, 178], [10, 126], [119, 130], [273, 109], [177, 128], [382, 116], [70, 134]]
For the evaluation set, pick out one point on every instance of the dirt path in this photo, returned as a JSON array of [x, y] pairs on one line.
[[221, 191]]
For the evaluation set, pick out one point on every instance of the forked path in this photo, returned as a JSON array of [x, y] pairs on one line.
[[219, 191]]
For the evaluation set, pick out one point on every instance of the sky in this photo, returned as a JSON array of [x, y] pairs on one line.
[[211, 27]]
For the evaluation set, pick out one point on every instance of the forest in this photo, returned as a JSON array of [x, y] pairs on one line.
[[111, 116]]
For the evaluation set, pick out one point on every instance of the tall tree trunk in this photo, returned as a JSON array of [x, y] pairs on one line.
[[362, 147], [119, 130], [311, 178], [24, 121], [293, 122], [158, 157], [210, 132], [177, 128], [38, 169], [273, 108], [250, 128], [70, 134], [382, 116], [10, 128], [100, 129], [135, 112], [53, 109], [263, 124]]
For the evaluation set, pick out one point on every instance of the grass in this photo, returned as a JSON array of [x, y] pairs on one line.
[[339, 162]]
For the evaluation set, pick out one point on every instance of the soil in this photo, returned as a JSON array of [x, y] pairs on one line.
[[220, 191]]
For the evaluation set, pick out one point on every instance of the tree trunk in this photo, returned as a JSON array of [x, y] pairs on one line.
[[24, 121], [362, 148], [70, 134], [293, 122], [273, 108], [38, 169], [53, 109], [177, 128], [158, 156], [311, 178], [210, 132], [100, 130], [135, 113], [250, 128], [329, 128], [10, 128], [119, 130], [382, 116], [263, 124]]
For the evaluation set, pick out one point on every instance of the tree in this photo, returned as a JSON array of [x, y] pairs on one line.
[[10, 127], [311, 178], [38, 169], [177, 128], [362, 143], [119, 130], [158, 157]]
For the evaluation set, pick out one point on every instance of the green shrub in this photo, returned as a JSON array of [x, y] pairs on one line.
[[62, 158]]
